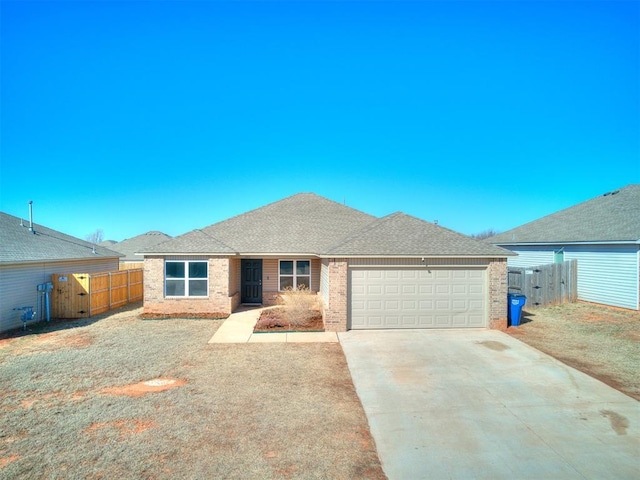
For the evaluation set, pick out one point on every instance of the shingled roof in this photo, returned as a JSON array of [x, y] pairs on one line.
[[402, 234], [612, 217], [308, 224], [131, 246], [20, 245]]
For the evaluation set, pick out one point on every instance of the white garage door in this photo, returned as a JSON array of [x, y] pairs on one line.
[[417, 298]]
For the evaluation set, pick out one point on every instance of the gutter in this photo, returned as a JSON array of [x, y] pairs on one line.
[[560, 242], [419, 256]]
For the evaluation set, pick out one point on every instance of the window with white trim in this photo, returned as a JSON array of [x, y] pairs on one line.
[[186, 278], [295, 274]]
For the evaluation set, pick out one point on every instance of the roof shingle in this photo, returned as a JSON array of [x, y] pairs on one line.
[[400, 234], [19, 245], [312, 225], [130, 246], [612, 217]]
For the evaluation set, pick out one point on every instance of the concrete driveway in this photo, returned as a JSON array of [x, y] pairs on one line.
[[481, 404]]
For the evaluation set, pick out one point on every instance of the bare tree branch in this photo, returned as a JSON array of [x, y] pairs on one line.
[[95, 237]]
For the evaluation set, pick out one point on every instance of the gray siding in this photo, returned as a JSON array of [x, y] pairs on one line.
[[531, 256], [607, 274], [18, 285]]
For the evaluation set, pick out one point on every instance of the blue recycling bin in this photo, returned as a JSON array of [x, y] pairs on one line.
[[516, 302]]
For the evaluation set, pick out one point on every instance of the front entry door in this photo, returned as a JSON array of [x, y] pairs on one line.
[[251, 280]]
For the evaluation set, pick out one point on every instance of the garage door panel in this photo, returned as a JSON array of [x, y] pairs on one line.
[[443, 304], [409, 305], [409, 274], [426, 321], [409, 289], [358, 305], [443, 321], [417, 298], [425, 305], [391, 305], [391, 289], [374, 304], [392, 321], [443, 274], [459, 305], [409, 321], [374, 289], [475, 305]]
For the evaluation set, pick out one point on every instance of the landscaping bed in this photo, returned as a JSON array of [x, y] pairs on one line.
[[601, 341], [275, 320], [298, 311]]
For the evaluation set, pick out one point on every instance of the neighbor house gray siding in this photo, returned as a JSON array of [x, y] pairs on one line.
[[607, 274], [18, 284], [529, 256]]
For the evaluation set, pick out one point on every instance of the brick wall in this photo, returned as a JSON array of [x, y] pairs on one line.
[[498, 287], [218, 302], [335, 314]]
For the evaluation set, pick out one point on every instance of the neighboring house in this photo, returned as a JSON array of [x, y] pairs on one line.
[[602, 234], [392, 272], [28, 257], [130, 246]]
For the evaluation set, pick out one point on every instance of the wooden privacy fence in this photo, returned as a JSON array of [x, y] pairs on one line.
[[81, 295], [130, 265], [546, 285]]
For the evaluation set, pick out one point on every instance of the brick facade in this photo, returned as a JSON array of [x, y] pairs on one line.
[[498, 288], [219, 300], [224, 296], [335, 314]]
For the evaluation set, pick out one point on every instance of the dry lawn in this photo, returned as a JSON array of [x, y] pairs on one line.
[[601, 341], [120, 397]]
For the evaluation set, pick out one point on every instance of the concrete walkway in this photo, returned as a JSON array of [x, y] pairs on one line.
[[479, 404], [238, 328]]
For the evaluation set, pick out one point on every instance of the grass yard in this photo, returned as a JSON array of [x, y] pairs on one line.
[[601, 341], [74, 404]]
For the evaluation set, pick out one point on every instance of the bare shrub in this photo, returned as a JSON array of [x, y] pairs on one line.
[[299, 306]]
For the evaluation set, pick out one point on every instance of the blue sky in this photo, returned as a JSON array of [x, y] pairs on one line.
[[137, 116]]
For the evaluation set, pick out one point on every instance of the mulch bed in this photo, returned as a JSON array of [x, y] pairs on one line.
[[272, 320]]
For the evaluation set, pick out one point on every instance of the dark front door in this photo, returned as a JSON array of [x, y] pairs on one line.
[[251, 279]]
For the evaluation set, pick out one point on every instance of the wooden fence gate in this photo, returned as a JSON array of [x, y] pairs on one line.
[[81, 295], [546, 285]]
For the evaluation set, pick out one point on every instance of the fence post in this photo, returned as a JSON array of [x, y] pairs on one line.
[[90, 296]]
